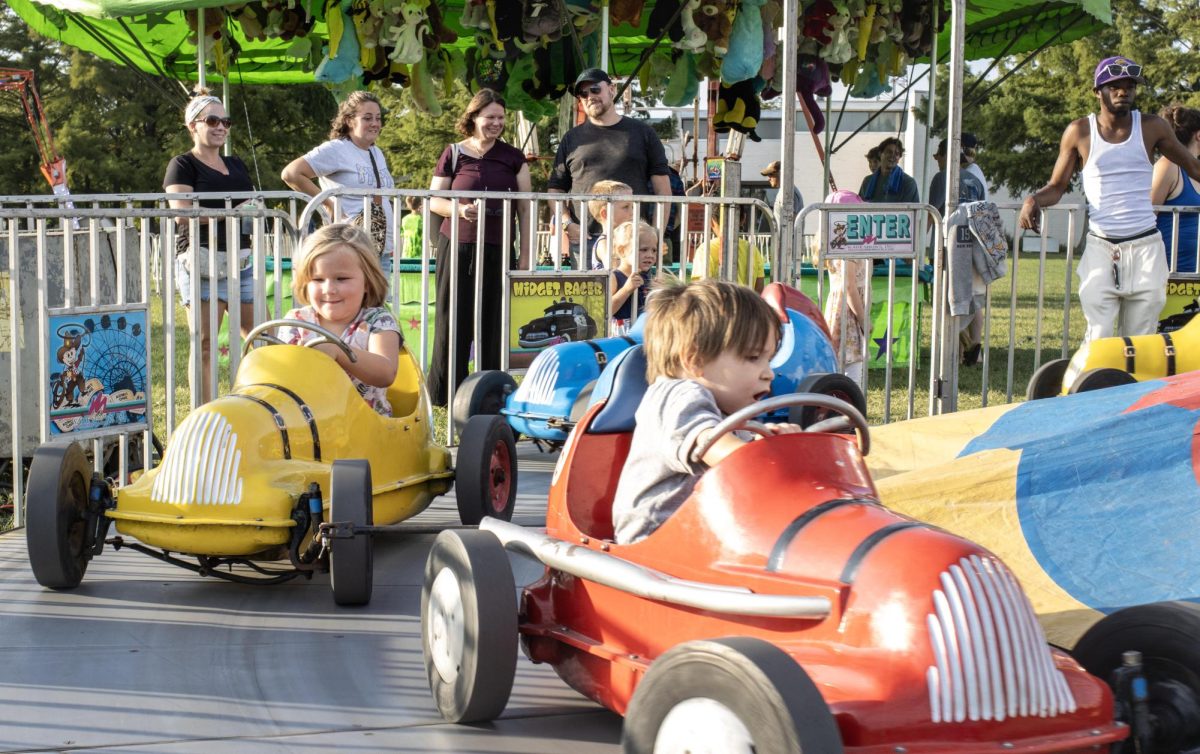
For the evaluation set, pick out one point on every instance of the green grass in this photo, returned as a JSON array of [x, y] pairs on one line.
[[970, 385]]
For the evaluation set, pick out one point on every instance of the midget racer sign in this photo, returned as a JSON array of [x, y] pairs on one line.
[[879, 234]]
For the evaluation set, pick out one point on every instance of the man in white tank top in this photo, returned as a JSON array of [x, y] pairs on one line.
[[1123, 271]]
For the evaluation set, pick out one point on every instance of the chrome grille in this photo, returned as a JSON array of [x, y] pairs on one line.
[[538, 385], [991, 661], [201, 467]]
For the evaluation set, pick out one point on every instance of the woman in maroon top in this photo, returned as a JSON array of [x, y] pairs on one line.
[[480, 162]]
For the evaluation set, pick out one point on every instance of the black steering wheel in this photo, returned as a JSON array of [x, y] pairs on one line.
[[742, 419], [260, 333]]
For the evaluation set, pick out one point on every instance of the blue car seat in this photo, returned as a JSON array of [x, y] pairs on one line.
[[622, 385]]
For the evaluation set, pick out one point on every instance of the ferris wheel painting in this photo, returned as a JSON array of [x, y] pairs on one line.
[[98, 373]]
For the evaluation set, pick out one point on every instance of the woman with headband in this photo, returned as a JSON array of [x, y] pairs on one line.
[[202, 170]]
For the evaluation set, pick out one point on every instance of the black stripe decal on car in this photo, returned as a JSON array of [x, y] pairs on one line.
[[279, 423], [868, 544], [304, 409], [775, 562]]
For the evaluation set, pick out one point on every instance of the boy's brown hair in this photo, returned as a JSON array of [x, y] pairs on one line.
[[332, 238], [596, 207], [693, 324]]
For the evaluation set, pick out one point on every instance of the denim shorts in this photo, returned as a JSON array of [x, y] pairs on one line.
[[183, 284]]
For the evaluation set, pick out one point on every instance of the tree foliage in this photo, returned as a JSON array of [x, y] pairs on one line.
[[1020, 122]]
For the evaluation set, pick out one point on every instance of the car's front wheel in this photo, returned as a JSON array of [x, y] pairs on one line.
[[731, 695], [351, 560], [469, 625], [56, 527], [1168, 636]]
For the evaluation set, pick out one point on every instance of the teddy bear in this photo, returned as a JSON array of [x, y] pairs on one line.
[[715, 19], [693, 39], [542, 18], [251, 17]]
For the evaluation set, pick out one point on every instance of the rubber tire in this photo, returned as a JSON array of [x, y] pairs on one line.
[[483, 392], [832, 384], [485, 440], [351, 561], [1098, 379], [1166, 633], [768, 691], [580, 406], [489, 662], [1046, 382], [56, 501]]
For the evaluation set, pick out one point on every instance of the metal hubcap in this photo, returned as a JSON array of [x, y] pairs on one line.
[[702, 726], [445, 633], [499, 481]]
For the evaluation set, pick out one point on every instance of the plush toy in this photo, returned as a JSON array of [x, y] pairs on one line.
[[406, 37], [839, 49], [585, 14], [485, 71], [505, 16], [423, 94], [252, 16], [626, 12], [693, 39], [654, 74], [542, 18], [770, 17], [739, 109], [665, 15], [367, 26], [715, 19], [812, 81], [684, 84], [441, 34], [745, 54], [474, 15], [341, 61], [816, 25]]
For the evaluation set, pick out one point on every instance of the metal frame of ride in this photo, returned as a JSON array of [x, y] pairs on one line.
[[54, 165]]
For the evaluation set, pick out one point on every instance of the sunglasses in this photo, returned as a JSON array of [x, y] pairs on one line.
[[586, 90], [213, 120], [1123, 69]]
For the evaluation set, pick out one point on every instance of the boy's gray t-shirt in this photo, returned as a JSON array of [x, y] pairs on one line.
[[658, 475]]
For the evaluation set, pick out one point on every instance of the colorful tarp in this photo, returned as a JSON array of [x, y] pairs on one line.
[[1091, 499]]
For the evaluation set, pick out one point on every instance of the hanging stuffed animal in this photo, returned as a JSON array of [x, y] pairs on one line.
[[715, 19], [664, 13], [812, 81], [542, 18], [440, 33], [626, 12], [839, 49], [474, 15], [770, 16], [655, 73], [407, 36], [341, 61], [252, 16], [585, 14], [745, 54], [684, 84], [738, 108], [423, 94], [693, 40]]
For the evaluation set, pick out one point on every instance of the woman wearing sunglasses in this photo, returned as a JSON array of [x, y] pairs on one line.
[[204, 170]]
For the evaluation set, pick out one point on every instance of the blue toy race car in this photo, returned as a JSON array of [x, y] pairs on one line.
[[557, 389]]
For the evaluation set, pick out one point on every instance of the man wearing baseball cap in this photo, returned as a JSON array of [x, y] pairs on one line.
[[1123, 270], [771, 171], [606, 147]]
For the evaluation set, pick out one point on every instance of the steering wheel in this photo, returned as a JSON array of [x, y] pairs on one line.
[[260, 333], [742, 419]]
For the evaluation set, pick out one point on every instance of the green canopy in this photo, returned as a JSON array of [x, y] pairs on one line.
[[153, 35]]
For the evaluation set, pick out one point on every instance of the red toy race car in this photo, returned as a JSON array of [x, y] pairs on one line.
[[782, 608]]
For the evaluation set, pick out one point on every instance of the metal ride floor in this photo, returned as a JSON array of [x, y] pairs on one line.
[[147, 657]]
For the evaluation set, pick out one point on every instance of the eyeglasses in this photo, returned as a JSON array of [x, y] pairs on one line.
[[586, 90], [212, 120], [1118, 70]]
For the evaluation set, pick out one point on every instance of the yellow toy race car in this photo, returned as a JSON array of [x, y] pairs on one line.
[[1107, 362], [292, 465]]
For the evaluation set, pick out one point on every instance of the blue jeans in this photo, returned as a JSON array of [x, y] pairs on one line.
[[183, 283]]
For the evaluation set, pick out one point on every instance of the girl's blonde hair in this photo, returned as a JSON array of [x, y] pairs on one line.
[[332, 238], [695, 323], [627, 234]]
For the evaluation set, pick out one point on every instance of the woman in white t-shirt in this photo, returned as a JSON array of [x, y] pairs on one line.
[[349, 159]]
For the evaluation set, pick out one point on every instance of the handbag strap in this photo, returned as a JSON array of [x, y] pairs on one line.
[[375, 168]]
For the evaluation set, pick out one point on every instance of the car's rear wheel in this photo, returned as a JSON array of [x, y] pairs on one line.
[[732, 695], [1168, 636], [483, 392], [485, 474], [469, 625], [56, 527], [351, 560], [1046, 382], [1098, 379], [834, 385]]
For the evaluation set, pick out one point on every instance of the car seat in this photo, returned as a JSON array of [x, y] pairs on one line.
[[622, 386], [405, 390]]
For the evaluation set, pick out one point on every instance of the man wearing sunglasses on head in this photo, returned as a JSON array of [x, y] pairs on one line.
[[606, 147], [1123, 270]]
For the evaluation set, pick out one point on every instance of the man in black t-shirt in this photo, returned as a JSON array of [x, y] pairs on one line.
[[608, 146]]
